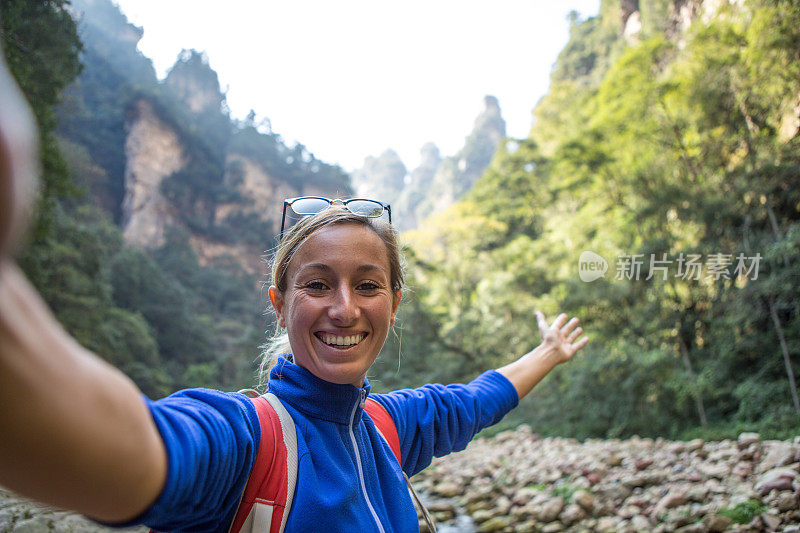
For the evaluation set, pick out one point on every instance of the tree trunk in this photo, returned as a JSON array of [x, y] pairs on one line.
[[701, 410], [785, 350]]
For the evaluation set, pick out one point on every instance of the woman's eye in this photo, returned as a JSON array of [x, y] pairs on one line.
[[316, 286], [368, 286]]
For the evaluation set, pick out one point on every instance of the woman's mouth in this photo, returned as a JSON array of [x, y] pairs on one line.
[[340, 341]]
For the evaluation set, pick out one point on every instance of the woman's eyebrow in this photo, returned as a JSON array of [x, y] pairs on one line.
[[368, 267], [327, 268]]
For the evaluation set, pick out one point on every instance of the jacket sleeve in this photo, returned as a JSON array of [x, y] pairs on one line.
[[211, 439], [435, 420]]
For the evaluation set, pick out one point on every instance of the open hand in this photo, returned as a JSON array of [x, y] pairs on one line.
[[561, 339]]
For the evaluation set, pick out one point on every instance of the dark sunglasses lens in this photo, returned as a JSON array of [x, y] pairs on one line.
[[365, 208], [309, 206]]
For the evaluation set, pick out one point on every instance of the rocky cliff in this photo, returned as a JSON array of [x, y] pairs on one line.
[[437, 182], [153, 151], [173, 158]]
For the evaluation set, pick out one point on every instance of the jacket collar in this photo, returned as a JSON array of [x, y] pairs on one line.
[[313, 396]]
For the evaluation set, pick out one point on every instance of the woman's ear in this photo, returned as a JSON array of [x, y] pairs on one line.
[[395, 304], [276, 298]]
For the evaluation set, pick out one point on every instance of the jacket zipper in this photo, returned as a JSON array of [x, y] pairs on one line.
[[361, 401]]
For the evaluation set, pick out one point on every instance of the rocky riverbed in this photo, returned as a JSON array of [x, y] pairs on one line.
[[518, 482], [18, 515]]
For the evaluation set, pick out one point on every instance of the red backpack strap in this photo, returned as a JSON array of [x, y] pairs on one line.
[[386, 427], [383, 421], [268, 495]]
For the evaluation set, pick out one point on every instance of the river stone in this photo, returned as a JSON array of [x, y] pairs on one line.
[[716, 523], [480, 505], [585, 500], [670, 500], [607, 523], [615, 492], [628, 511], [36, 524], [697, 493], [555, 527], [572, 513], [550, 509], [446, 489], [528, 526], [496, 523], [719, 470], [787, 501], [778, 453], [742, 469], [482, 515], [641, 523], [746, 439], [694, 445], [679, 520], [770, 521], [440, 505], [502, 505], [637, 480], [781, 478]]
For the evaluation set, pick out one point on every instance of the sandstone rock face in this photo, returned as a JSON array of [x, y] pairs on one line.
[[153, 152], [263, 193]]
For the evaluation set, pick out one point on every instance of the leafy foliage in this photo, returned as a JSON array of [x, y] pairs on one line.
[[641, 149], [744, 512], [42, 47]]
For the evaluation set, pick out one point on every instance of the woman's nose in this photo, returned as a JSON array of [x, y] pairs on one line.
[[344, 309]]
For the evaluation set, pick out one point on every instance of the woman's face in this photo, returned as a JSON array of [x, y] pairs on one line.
[[338, 304]]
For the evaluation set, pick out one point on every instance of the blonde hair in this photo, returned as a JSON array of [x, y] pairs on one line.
[[292, 239]]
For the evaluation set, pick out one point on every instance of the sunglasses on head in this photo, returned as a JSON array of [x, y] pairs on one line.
[[311, 205]]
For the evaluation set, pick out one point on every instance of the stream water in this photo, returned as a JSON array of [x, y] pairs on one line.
[[462, 522]]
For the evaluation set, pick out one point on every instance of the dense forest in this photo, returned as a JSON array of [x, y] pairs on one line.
[[667, 146], [671, 152]]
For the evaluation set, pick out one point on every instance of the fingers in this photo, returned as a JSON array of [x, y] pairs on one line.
[[569, 326], [559, 321], [580, 344], [541, 321], [575, 333], [569, 330]]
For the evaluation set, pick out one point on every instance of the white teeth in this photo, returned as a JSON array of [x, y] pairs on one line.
[[338, 340]]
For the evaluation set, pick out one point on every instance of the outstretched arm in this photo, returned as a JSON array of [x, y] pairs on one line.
[[559, 343], [74, 431]]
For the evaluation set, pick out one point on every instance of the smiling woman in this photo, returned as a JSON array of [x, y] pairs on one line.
[[337, 282], [339, 302], [182, 462]]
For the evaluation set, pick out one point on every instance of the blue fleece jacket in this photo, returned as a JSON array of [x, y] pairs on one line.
[[348, 478]]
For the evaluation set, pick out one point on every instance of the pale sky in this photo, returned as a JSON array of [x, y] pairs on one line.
[[351, 78]]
